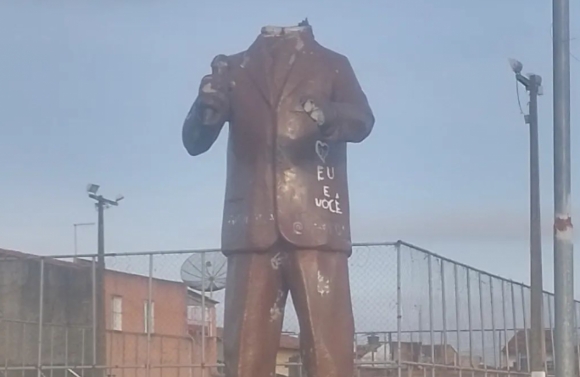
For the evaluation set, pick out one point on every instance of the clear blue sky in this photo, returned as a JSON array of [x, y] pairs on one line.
[[96, 91]]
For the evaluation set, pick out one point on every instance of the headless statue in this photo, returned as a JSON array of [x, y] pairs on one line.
[[292, 108]]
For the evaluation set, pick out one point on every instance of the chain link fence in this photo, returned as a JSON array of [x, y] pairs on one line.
[[416, 314]]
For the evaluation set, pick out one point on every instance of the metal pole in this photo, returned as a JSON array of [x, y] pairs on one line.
[[75, 237], [551, 327], [100, 289], [493, 329], [40, 317], [505, 333], [94, 307], [431, 335], [577, 343], [444, 312], [482, 323], [399, 310], [536, 283], [469, 319], [203, 324], [149, 318], [526, 331], [563, 245], [83, 340], [457, 316], [515, 326]]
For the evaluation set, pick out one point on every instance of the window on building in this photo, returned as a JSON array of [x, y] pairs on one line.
[[117, 313], [148, 317], [195, 316]]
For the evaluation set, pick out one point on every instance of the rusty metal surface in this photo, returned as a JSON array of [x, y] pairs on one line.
[[256, 292], [292, 106]]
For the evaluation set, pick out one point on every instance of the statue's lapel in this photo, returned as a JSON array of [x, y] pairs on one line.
[[257, 63], [302, 69]]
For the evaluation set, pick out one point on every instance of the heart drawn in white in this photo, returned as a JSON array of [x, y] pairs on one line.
[[322, 150]]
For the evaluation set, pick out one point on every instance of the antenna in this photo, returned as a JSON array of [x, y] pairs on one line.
[[207, 275]]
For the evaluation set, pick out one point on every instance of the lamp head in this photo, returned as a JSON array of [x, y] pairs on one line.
[[92, 188], [516, 65]]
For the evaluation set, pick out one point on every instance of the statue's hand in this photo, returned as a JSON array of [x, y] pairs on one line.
[[213, 100], [320, 111]]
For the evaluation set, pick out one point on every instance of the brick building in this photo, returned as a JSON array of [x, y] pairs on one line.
[[66, 338], [175, 336]]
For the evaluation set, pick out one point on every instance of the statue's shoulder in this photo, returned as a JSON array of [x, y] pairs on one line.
[[332, 57], [235, 59]]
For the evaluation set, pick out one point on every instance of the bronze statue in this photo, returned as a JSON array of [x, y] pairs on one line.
[[292, 107]]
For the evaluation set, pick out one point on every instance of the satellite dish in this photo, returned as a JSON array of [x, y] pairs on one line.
[[213, 266]]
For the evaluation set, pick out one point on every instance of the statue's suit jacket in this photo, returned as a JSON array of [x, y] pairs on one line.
[[285, 178]]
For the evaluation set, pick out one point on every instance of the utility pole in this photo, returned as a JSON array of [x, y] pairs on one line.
[[563, 245], [533, 84], [100, 341]]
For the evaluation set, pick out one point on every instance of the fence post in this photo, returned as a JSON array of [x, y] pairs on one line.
[[7, 348], [457, 319], [518, 362], [94, 300], [526, 329], [40, 317], [203, 313], [149, 318], [469, 319], [493, 328], [553, 348], [505, 332], [444, 311], [482, 323], [399, 308], [431, 336]]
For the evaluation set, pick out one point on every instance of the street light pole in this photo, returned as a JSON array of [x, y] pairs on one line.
[[536, 271], [76, 225], [101, 204], [533, 84], [563, 234]]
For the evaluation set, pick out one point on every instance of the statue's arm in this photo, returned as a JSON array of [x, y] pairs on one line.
[[348, 116], [208, 114], [198, 134]]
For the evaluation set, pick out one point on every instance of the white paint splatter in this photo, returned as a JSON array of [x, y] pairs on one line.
[[299, 44], [245, 61], [276, 261], [287, 182], [323, 286], [314, 111], [298, 227], [292, 59], [275, 312], [318, 116], [281, 31], [292, 129], [207, 88]]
